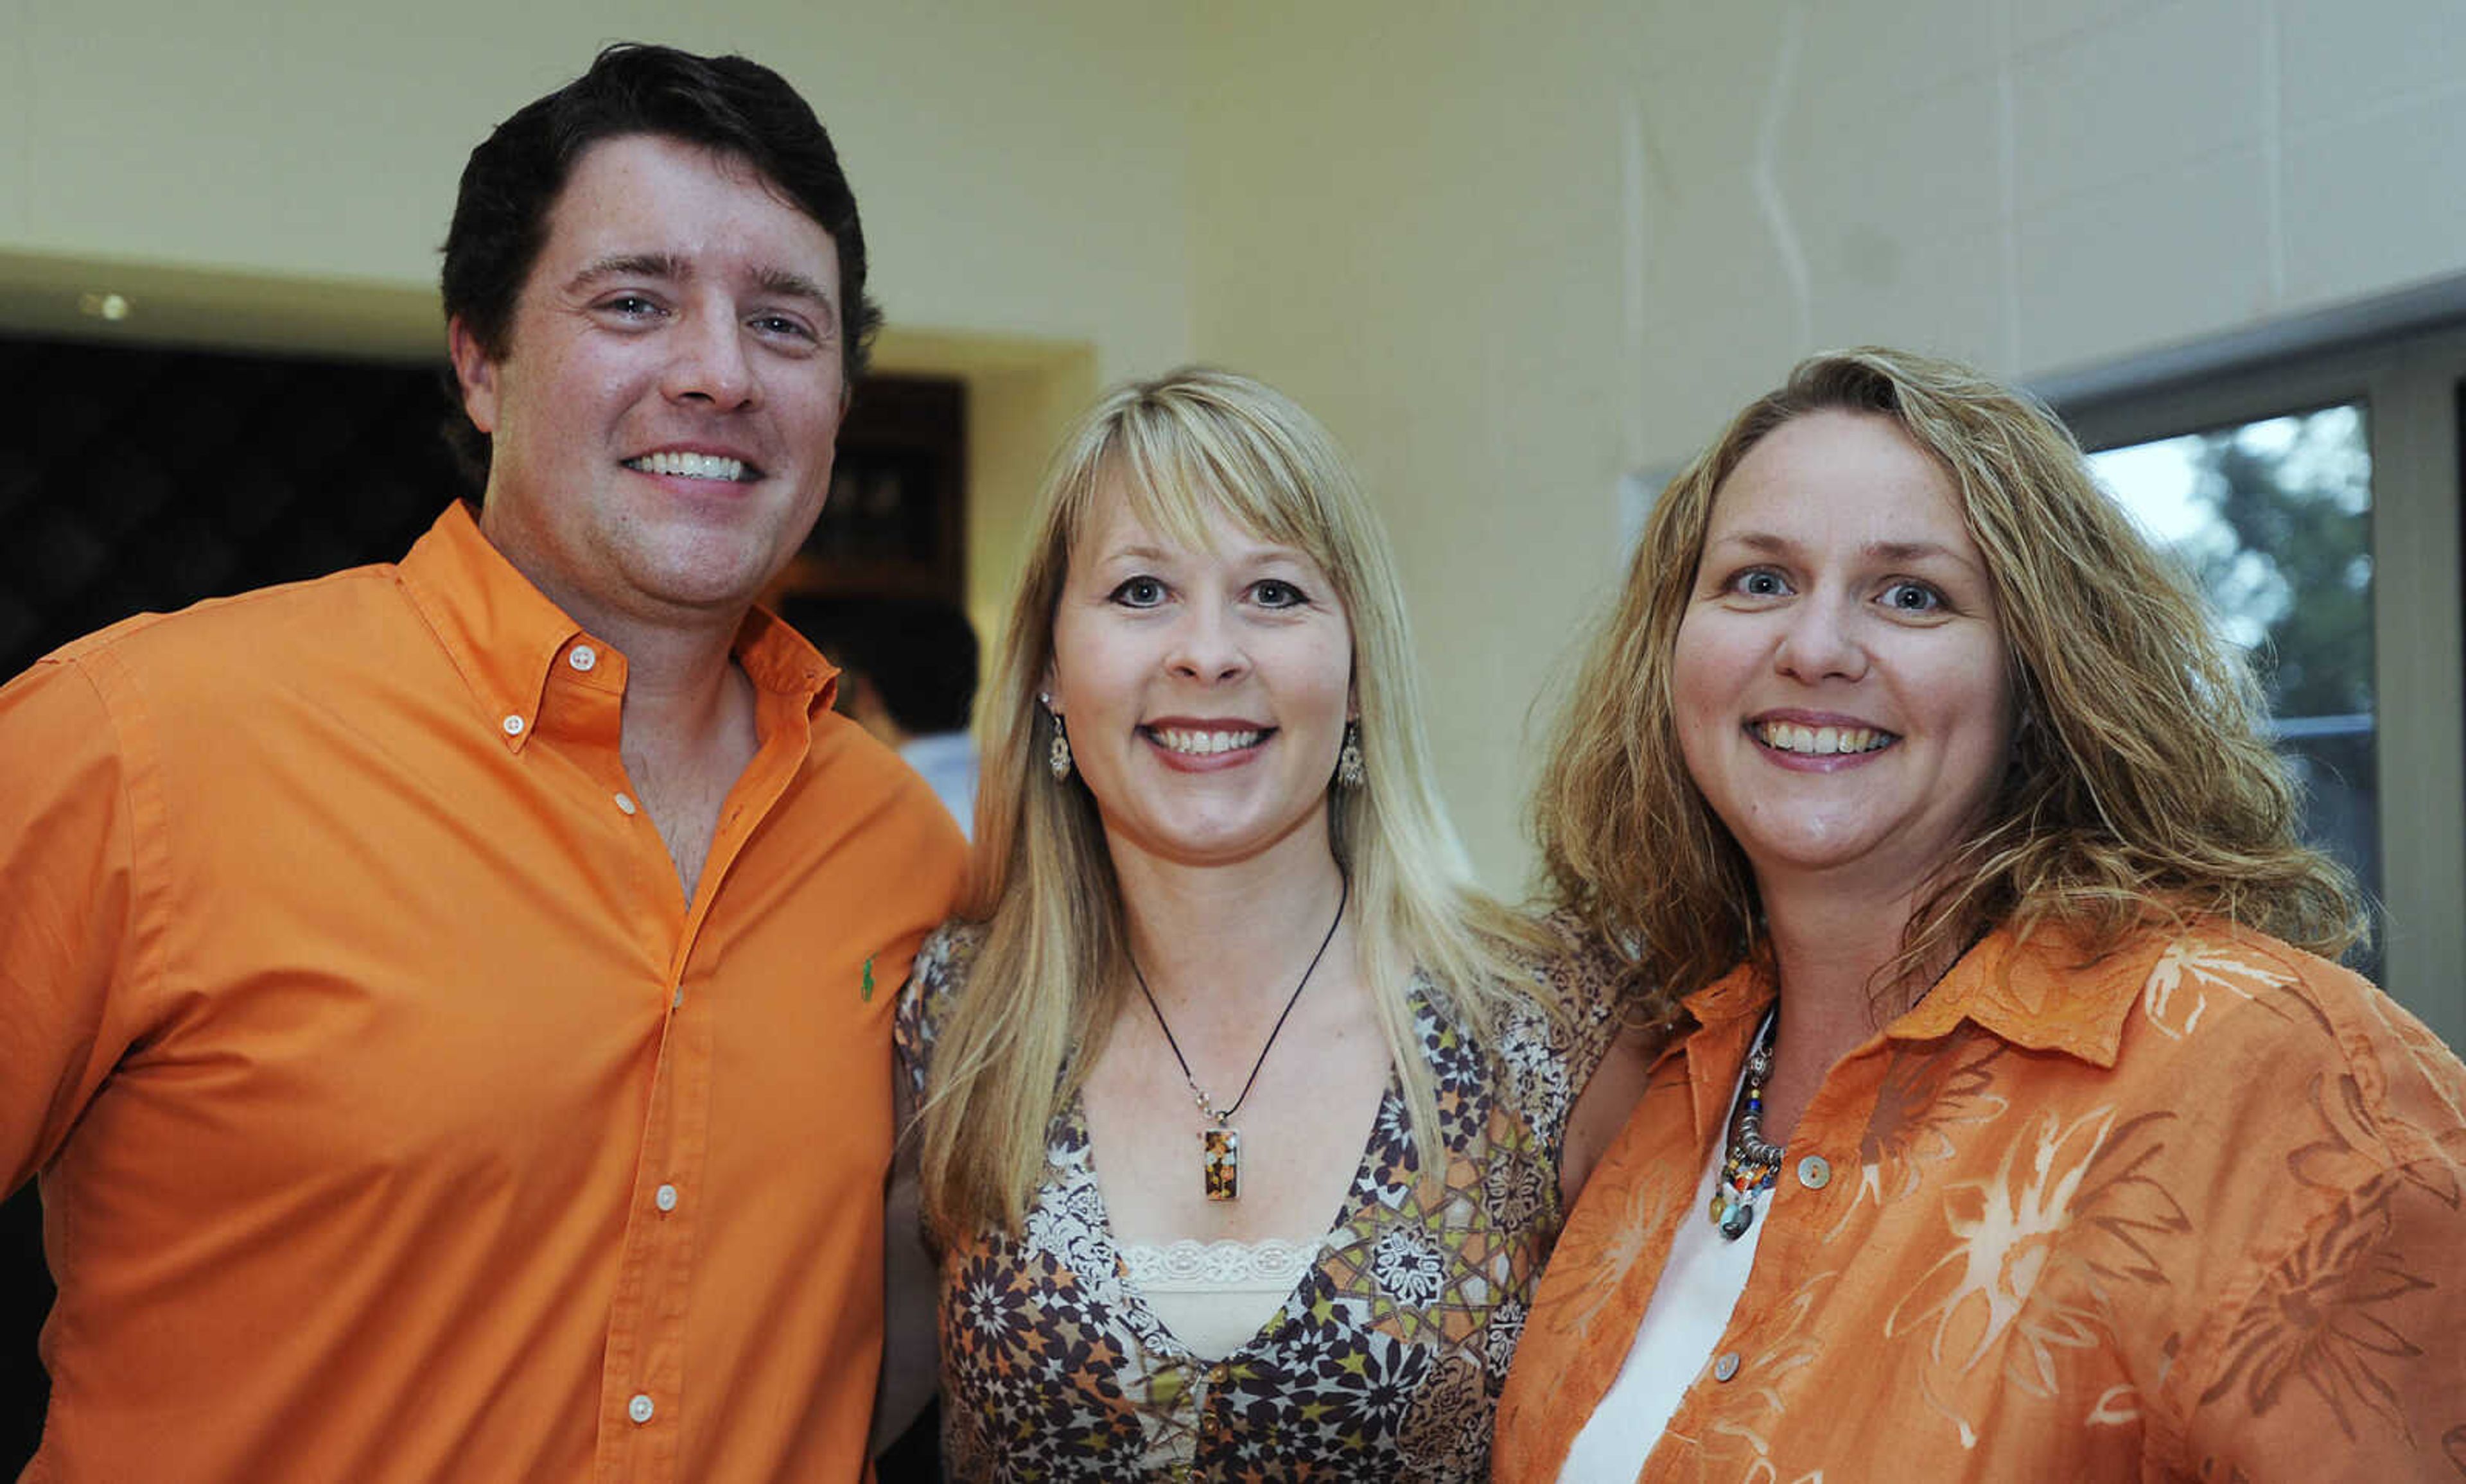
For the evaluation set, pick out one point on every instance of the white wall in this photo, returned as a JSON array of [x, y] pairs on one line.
[[1022, 168], [1512, 253]]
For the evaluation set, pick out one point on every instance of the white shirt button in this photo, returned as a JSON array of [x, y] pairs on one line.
[[664, 1198], [639, 1409], [1814, 1172], [582, 657], [625, 804], [514, 726], [1724, 1366]]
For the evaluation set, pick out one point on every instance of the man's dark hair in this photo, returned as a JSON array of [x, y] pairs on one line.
[[920, 653], [726, 104]]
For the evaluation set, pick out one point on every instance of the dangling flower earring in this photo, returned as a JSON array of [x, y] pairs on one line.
[[1349, 769], [1057, 757]]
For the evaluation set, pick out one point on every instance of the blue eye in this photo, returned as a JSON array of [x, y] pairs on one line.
[[1271, 592], [1911, 596], [1759, 582], [1138, 592], [781, 325]]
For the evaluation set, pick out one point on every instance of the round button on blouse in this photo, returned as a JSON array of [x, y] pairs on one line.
[[1814, 1172], [514, 726], [664, 1198], [1725, 1365], [582, 657], [639, 1409]]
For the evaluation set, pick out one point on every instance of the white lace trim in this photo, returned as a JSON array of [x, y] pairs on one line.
[[1193, 1266]]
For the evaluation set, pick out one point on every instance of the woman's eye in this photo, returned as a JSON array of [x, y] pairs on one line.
[[1271, 592], [1908, 596], [1759, 582], [1139, 593]]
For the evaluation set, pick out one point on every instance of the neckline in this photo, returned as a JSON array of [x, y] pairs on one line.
[[1145, 1321]]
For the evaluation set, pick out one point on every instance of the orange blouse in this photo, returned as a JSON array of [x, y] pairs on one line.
[[2197, 1211], [397, 1117]]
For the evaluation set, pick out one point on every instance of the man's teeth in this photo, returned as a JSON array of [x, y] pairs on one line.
[[1202, 743], [1790, 737], [692, 466]]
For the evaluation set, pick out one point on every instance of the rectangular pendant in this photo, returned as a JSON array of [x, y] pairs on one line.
[[1222, 1149]]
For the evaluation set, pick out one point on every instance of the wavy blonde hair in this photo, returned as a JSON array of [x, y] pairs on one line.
[[2143, 784], [1052, 965]]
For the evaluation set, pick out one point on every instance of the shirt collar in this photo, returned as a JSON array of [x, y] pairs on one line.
[[2042, 993], [1737, 996], [1725, 1014], [506, 636]]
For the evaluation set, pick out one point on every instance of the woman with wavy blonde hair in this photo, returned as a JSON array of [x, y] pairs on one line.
[[2011, 1127], [1246, 1120]]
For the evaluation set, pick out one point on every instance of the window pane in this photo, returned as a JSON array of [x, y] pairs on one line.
[[2273, 519]]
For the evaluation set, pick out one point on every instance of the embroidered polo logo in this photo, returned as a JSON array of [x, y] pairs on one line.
[[865, 991]]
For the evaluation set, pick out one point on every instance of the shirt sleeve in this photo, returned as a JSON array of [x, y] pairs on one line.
[[66, 877], [1586, 978]]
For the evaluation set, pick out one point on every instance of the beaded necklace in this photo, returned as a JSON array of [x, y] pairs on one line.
[[1751, 1166]]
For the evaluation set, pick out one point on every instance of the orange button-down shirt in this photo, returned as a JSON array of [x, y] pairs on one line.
[[2198, 1212], [397, 1117]]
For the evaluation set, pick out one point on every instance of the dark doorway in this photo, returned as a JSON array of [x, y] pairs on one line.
[[151, 478]]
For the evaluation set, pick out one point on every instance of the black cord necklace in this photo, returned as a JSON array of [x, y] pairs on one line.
[[1220, 1147]]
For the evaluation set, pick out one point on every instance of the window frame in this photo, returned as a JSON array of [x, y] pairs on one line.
[[2414, 387]]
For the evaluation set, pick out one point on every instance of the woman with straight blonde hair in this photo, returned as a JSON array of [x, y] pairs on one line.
[[1247, 1121], [2011, 1128]]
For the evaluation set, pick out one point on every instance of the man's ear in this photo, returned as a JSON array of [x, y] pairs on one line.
[[477, 371]]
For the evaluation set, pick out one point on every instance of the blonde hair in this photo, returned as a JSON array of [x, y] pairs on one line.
[[2143, 784], [1052, 962]]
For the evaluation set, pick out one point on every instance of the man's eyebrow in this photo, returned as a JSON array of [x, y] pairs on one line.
[[673, 268], [631, 265], [794, 286]]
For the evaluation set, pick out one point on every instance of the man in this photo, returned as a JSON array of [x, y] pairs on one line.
[[907, 676], [447, 1003]]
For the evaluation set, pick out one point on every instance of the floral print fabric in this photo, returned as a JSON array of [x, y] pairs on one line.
[[1387, 1360], [2195, 1212]]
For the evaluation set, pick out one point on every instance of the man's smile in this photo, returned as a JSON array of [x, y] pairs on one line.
[[695, 466]]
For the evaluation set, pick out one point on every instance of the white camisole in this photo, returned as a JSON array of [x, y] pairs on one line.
[[1683, 1321], [1216, 1295]]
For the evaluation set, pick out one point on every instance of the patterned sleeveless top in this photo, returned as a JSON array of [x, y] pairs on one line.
[[1386, 1359]]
